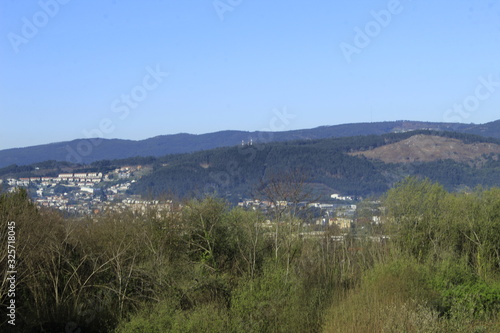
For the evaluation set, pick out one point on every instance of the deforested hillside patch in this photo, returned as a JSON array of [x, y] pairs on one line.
[[429, 148]]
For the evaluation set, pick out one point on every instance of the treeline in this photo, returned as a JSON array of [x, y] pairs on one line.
[[450, 173], [204, 267]]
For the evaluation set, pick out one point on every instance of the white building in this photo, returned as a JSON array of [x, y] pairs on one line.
[[339, 197], [87, 189]]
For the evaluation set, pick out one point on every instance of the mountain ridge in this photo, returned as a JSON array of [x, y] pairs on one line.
[[329, 165], [95, 149]]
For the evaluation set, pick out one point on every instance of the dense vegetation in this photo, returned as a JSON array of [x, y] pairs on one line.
[[204, 267]]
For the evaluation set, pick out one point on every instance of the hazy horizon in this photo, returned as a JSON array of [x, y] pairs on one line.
[[224, 130]]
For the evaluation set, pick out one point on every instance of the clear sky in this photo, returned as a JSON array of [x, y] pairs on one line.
[[136, 69]]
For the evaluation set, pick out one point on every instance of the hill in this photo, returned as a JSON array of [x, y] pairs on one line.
[[330, 165], [356, 166], [91, 150]]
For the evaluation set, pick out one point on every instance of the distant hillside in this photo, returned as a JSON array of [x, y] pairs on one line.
[[90, 150], [491, 129], [428, 148], [357, 165], [330, 165]]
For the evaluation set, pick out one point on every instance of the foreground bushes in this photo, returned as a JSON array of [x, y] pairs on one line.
[[443, 271], [406, 296], [208, 268]]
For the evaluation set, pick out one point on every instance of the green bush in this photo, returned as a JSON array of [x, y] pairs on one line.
[[165, 317], [479, 301], [267, 303]]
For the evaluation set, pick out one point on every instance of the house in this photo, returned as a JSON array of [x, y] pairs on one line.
[[340, 197], [341, 222]]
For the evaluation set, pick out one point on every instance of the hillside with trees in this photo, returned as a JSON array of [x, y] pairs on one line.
[[359, 166], [330, 165]]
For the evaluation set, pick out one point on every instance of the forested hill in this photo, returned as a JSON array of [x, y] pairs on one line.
[[328, 165], [90, 150], [357, 165]]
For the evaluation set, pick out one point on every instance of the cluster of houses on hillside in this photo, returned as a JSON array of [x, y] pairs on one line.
[[80, 192], [94, 192], [77, 179], [342, 215]]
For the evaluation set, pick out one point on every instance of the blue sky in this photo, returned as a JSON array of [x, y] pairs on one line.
[[136, 69]]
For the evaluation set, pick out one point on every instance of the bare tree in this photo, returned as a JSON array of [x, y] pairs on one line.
[[285, 191]]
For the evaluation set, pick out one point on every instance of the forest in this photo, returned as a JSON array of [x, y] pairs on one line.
[[432, 265], [232, 172]]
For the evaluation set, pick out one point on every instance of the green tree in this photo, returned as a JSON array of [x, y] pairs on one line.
[[414, 211]]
